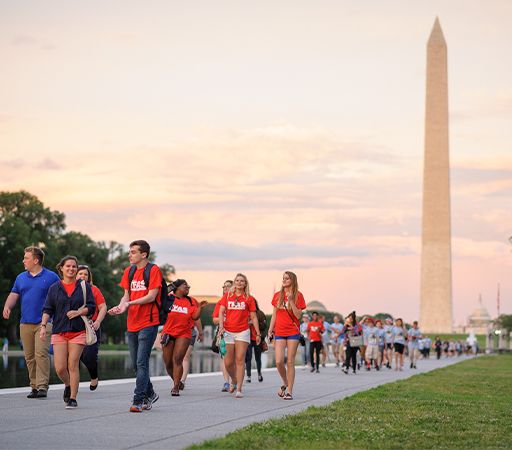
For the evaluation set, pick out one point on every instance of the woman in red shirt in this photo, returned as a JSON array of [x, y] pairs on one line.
[[236, 307], [177, 332], [315, 330], [288, 305], [90, 354]]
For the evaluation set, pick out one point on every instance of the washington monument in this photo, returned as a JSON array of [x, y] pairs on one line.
[[436, 265]]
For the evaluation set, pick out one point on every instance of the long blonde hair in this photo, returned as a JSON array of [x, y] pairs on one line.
[[295, 289], [246, 290]]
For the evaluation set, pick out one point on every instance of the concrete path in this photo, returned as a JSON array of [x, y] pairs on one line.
[[102, 420]]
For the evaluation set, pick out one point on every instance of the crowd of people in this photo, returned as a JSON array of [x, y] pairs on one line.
[[64, 310]]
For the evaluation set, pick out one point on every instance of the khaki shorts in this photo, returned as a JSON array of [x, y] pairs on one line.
[[372, 352]]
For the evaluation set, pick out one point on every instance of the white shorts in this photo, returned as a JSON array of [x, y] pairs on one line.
[[244, 336]]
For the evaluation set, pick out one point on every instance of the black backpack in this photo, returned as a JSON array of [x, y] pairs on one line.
[[162, 300]]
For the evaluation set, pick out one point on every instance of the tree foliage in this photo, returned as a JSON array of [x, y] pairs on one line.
[[25, 221]]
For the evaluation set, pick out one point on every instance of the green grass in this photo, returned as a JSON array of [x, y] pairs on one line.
[[464, 406]]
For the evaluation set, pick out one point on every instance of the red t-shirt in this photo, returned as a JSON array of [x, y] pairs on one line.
[[237, 311], [216, 310], [69, 288], [98, 298], [142, 316], [196, 304], [315, 331], [287, 324], [179, 319]]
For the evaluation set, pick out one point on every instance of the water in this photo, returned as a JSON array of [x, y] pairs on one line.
[[13, 372]]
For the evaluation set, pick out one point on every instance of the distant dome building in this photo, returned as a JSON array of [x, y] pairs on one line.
[[315, 305], [479, 321]]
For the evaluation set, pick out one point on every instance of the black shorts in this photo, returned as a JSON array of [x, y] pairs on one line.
[[389, 346], [399, 348]]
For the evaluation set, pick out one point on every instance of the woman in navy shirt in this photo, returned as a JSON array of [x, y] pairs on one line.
[[65, 304]]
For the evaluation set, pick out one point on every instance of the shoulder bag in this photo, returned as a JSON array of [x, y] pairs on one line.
[[90, 332]]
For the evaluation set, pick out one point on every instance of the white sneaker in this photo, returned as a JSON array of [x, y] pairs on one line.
[[239, 394]]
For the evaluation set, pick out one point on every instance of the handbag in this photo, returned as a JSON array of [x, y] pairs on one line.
[[90, 332], [216, 342], [264, 346], [355, 341], [302, 339]]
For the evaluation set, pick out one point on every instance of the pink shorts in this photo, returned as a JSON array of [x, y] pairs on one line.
[[60, 339]]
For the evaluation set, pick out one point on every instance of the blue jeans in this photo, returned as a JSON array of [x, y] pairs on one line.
[[140, 344]]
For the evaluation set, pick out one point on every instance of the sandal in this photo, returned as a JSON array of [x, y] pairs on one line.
[[282, 391], [175, 392], [288, 396], [232, 388]]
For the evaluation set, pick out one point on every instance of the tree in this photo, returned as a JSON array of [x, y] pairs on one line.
[[24, 221], [505, 321]]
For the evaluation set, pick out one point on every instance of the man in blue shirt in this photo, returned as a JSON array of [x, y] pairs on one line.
[[31, 288]]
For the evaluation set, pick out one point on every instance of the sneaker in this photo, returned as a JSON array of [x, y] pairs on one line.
[[412, 365], [175, 392], [260, 377], [345, 370], [239, 394], [136, 408], [67, 394], [248, 380], [312, 370], [41, 393], [225, 387], [317, 371], [71, 404], [181, 386], [33, 394], [147, 404]]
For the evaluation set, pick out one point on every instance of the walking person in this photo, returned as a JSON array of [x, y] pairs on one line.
[[177, 331], [381, 337], [388, 342], [284, 329], [65, 305], [353, 340], [197, 336], [371, 340], [89, 355], [326, 341], [215, 316], [304, 331], [142, 282], [413, 336], [438, 347], [262, 322], [399, 339], [315, 330], [236, 307], [31, 287], [337, 339]]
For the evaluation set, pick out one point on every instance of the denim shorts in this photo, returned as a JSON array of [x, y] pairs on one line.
[[285, 338]]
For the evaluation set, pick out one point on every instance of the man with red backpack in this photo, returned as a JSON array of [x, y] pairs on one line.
[[144, 291]]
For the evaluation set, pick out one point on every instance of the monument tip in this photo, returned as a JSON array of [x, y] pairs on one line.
[[436, 35]]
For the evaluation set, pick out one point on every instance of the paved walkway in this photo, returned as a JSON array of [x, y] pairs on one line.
[[102, 420]]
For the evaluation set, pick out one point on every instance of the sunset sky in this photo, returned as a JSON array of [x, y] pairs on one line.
[[265, 136]]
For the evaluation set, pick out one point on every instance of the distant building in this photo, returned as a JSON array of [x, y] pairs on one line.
[[478, 322], [315, 305]]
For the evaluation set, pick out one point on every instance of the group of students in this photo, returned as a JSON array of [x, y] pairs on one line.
[[53, 310], [378, 344]]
